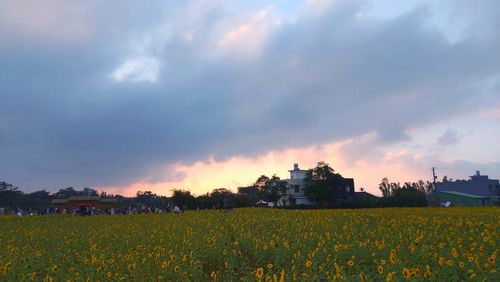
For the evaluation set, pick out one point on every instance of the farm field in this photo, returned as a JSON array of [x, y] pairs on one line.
[[442, 244]]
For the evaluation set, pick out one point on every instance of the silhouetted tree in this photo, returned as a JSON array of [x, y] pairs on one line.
[[37, 200], [184, 199], [67, 192], [4, 186], [323, 185], [411, 194], [10, 196], [270, 189]]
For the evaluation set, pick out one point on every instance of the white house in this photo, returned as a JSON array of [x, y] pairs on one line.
[[295, 189]]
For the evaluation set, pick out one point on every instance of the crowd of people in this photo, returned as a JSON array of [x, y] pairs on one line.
[[91, 210]]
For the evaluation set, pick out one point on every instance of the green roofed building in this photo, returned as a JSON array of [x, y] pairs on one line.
[[479, 190], [463, 199]]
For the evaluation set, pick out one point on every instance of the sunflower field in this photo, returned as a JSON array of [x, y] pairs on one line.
[[392, 244]]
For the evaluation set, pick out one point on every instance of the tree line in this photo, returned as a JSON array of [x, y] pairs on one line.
[[322, 184]]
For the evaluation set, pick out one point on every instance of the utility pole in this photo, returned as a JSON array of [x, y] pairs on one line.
[[434, 177]]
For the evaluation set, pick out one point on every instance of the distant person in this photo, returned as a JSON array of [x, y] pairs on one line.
[[177, 209]]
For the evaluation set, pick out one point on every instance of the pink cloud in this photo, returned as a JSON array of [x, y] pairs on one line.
[[494, 112], [248, 37], [48, 20]]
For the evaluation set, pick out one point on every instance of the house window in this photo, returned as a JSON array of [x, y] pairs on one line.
[[297, 188]]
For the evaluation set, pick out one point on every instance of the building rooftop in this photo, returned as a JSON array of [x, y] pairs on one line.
[[464, 194]]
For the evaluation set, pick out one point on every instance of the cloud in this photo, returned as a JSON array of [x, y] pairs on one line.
[[449, 137], [55, 20], [319, 79], [494, 112], [138, 69], [248, 38]]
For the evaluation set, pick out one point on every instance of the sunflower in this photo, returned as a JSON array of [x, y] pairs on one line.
[[418, 270], [213, 275], [308, 263], [427, 271], [350, 262], [442, 261], [282, 276], [406, 273], [54, 268], [389, 276], [270, 266], [380, 269], [461, 264], [392, 257], [259, 272], [177, 269]]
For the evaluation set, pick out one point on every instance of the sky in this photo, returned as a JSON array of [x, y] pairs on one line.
[[124, 96]]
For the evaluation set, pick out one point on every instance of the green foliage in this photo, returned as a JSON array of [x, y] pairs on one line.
[[323, 185], [184, 199], [150, 199], [270, 189], [5, 187], [410, 194]]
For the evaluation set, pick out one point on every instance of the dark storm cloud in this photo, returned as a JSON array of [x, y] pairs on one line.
[[64, 121]]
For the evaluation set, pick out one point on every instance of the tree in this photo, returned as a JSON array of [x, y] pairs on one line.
[[270, 189], [385, 187], [222, 198], [10, 196], [184, 199], [243, 200], [4, 187], [146, 198], [410, 194], [67, 192], [260, 183], [38, 200], [323, 185]]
